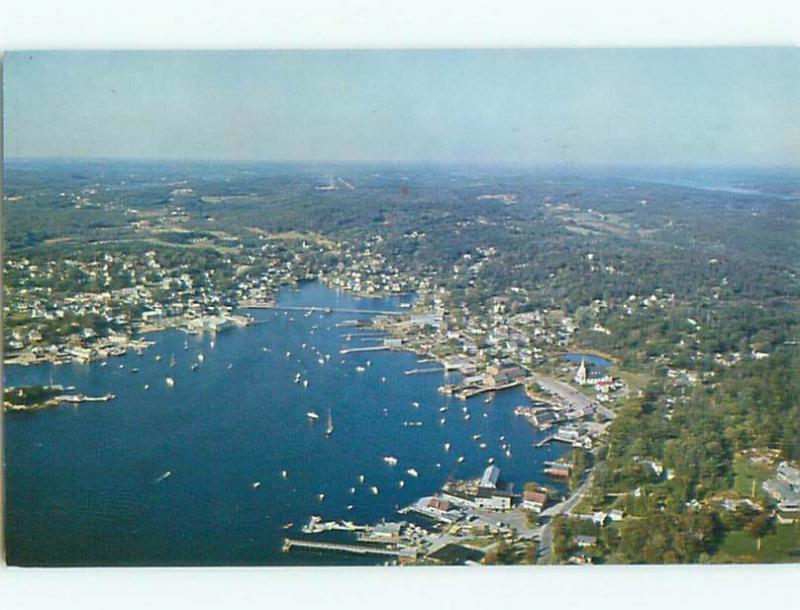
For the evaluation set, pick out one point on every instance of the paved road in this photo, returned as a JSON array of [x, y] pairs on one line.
[[568, 394], [564, 508]]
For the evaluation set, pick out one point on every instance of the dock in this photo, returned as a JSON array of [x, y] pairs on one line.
[[423, 371], [465, 394], [371, 348], [317, 308], [358, 549]]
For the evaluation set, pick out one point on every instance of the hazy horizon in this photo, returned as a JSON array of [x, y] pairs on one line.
[[659, 108]]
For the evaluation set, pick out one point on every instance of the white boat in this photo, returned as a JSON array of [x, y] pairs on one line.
[[288, 354], [460, 459], [312, 415], [490, 461], [442, 409], [401, 484], [329, 427], [349, 507], [166, 475], [360, 369], [230, 366], [305, 383], [103, 363], [321, 360], [352, 490], [466, 417], [200, 357], [374, 490], [170, 381], [415, 404], [297, 378], [442, 421], [383, 379], [147, 386], [284, 474], [476, 437], [321, 497], [361, 478], [255, 484], [482, 445], [391, 460], [447, 446], [158, 357], [212, 345], [412, 472], [369, 362]]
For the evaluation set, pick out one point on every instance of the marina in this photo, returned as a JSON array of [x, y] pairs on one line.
[[267, 435]]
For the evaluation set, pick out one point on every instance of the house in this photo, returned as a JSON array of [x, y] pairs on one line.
[[534, 500], [584, 541]]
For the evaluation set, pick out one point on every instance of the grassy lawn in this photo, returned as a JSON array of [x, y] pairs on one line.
[[781, 546], [746, 472]]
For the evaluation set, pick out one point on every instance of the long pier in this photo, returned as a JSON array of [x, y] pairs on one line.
[[359, 549], [423, 371], [371, 348], [317, 308]]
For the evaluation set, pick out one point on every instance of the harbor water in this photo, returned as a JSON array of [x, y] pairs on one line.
[[218, 467]]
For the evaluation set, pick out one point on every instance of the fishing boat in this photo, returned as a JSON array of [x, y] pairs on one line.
[[442, 409], [166, 475], [305, 383], [415, 404], [158, 358], [287, 526], [200, 357], [312, 415], [352, 490], [329, 427], [321, 497], [482, 445], [361, 478], [147, 386], [170, 381], [401, 484], [476, 437], [391, 460], [297, 378]]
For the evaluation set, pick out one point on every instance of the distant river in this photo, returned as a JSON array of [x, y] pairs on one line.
[[85, 485]]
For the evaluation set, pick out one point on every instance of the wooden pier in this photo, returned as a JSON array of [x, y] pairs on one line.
[[371, 348], [423, 371], [318, 309], [358, 549]]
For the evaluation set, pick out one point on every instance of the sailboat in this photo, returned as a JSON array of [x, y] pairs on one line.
[[329, 428]]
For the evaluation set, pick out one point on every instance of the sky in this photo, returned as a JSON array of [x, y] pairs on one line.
[[535, 107]]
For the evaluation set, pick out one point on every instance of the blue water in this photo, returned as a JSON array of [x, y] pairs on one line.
[[590, 359], [82, 483]]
